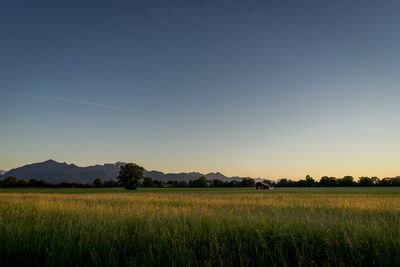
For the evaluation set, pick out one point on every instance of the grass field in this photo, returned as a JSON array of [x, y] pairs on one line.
[[206, 227]]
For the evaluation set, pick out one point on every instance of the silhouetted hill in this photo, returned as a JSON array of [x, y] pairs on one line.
[[54, 171], [57, 172]]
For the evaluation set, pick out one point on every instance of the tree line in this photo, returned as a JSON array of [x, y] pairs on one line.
[[202, 182], [326, 181], [12, 181], [198, 183], [131, 177]]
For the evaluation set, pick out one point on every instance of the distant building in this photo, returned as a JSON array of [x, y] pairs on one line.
[[262, 185]]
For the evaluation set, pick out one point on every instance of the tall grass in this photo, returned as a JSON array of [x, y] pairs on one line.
[[207, 229]]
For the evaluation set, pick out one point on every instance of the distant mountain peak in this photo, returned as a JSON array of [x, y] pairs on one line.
[[50, 161], [57, 172]]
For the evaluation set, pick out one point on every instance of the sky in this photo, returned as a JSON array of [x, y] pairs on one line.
[[271, 89]]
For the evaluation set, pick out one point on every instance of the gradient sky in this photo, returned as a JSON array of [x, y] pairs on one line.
[[266, 89]]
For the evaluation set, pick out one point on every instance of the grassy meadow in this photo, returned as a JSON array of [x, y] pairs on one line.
[[200, 227]]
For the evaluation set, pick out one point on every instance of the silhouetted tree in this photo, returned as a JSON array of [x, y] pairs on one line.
[[375, 180], [365, 181], [282, 183], [130, 175], [396, 181], [43, 183], [234, 184], [247, 182], [182, 184], [328, 181], [346, 181], [98, 183], [387, 181], [310, 181], [218, 183], [201, 182], [33, 183], [110, 183], [10, 181], [22, 183], [301, 183], [148, 182], [63, 184]]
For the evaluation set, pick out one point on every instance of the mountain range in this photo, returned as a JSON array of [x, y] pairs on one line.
[[57, 172]]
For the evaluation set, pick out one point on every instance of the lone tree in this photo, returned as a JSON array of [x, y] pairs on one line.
[[130, 175]]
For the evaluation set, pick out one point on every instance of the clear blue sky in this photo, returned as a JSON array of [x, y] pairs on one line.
[[252, 88]]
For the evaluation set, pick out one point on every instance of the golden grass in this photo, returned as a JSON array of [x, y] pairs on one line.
[[200, 229]]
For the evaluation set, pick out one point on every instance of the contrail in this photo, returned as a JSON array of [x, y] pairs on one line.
[[75, 101], [81, 102]]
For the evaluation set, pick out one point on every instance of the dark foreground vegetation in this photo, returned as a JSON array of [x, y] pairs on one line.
[[195, 228], [346, 181], [202, 182]]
